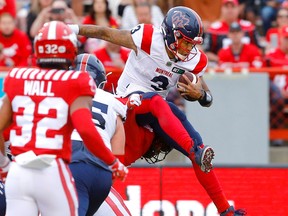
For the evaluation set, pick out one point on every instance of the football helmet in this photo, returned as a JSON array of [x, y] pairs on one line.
[[182, 23], [91, 64], [157, 151], [55, 43]]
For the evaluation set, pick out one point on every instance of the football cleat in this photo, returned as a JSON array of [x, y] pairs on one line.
[[232, 212], [203, 157]]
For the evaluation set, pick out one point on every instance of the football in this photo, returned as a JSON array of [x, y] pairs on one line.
[[192, 77]]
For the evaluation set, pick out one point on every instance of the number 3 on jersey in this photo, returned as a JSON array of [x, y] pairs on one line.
[[53, 114], [161, 83]]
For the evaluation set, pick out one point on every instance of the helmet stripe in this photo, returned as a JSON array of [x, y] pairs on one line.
[[52, 31], [83, 63], [147, 38]]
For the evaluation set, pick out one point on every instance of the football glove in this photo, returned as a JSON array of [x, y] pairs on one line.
[[134, 100], [119, 171]]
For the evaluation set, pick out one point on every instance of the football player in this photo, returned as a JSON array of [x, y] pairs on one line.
[[157, 60], [89, 171], [43, 105]]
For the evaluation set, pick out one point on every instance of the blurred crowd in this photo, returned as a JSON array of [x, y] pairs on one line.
[[237, 34]]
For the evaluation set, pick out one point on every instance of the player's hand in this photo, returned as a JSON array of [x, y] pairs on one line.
[[4, 169], [191, 90], [119, 171], [134, 100]]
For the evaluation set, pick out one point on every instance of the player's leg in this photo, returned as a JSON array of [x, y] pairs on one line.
[[113, 206], [203, 154], [2, 199], [172, 130], [17, 190], [154, 108], [209, 181], [55, 190], [93, 184]]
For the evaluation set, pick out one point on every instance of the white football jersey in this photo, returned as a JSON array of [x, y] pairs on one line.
[[105, 110], [151, 69]]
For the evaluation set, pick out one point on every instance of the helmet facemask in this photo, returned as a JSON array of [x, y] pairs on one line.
[[188, 48]]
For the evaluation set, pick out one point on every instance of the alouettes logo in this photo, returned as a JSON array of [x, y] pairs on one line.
[[179, 19]]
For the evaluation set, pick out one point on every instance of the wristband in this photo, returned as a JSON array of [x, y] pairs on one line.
[[206, 100], [75, 28]]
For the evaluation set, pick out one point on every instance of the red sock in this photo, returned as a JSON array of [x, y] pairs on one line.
[[210, 183]]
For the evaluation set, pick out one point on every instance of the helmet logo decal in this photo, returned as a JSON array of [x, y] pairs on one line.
[[179, 19]]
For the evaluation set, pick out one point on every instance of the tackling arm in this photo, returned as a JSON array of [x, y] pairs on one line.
[[118, 139]]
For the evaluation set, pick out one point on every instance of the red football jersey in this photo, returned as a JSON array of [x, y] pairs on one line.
[[216, 35], [276, 58], [138, 139], [270, 32], [41, 100], [16, 47], [250, 56]]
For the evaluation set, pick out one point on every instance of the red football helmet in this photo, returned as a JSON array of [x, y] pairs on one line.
[[55, 43]]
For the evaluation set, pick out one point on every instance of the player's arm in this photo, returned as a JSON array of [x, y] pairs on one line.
[[118, 140], [82, 121], [206, 98], [199, 91], [116, 36], [6, 118], [5, 121]]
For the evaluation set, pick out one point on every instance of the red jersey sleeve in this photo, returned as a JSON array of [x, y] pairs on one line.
[[142, 36]]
